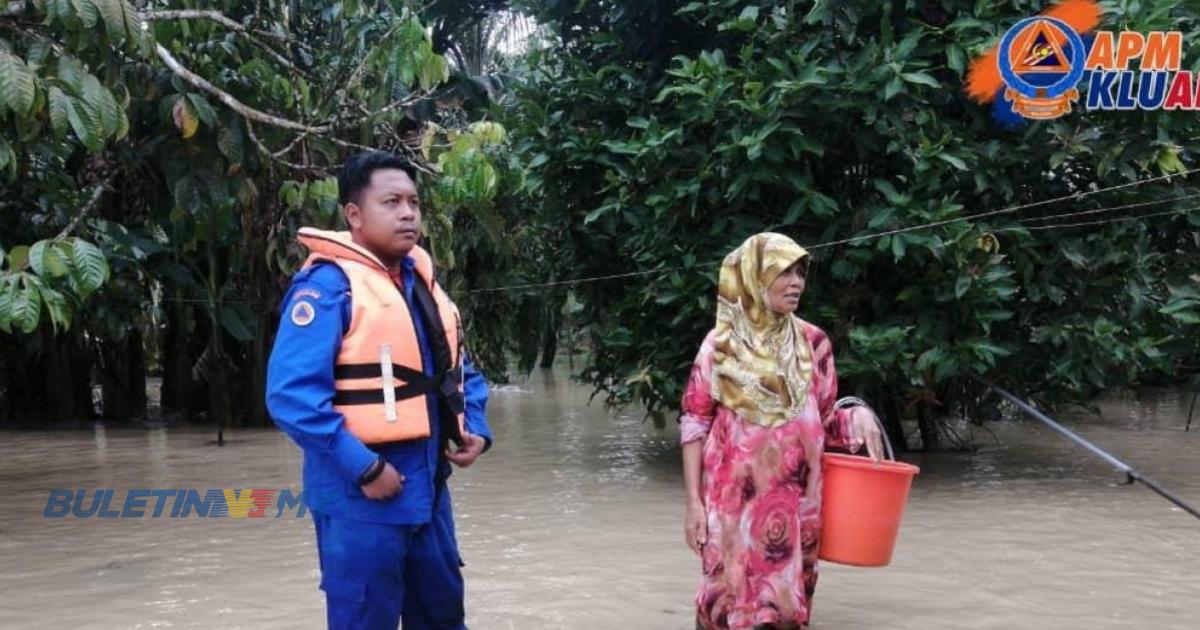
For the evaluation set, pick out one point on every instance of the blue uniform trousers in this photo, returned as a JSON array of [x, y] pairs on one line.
[[376, 575]]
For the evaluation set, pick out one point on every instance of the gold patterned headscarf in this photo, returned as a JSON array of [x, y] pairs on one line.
[[762, 365]]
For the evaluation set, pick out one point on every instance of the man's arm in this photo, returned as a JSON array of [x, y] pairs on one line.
[[476, 389], [477, 438], [300, 381]]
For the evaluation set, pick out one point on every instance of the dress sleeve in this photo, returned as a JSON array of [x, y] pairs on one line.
[[698, 407], [839, 432]]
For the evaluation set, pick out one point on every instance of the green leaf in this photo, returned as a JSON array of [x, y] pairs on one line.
[[955, 58], [59, 111], [962, 285], [39, 51], [899, 246], [133, 28], [71, 73], [433, 71], [56, 306], [231, 142], [57, 11], [203, 109], [1074, 256], [101, 101], [906, 45], [1169, 162], [7, 294], [994, 315], [8, 158], [920, 78], [37, 257], [953, 161], [122, 127], [113, 12], [539, 160], [930, 358], [17, 257], [235, 323], [58, 258], [88, 265], [945, 369], [18, 88], [638, 122], [87, 12], [26, 308], [598, 212], [56, 261], [85, 125], [894, 87], [889, 191]]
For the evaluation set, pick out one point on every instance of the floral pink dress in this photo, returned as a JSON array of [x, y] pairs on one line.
[[762, 495]]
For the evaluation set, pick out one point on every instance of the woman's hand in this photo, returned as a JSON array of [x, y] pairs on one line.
[[866, 427], [695, 525]]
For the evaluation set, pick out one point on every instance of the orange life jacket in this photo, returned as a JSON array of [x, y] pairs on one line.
[[381, 382]]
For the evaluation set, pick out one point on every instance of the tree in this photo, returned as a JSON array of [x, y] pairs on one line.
[[187, 144], [658, 135]]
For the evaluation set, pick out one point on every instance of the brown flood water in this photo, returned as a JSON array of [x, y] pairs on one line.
[[574, 521]]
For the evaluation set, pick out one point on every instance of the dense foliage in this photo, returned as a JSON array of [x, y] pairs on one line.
[[658, 135], [157, 160]]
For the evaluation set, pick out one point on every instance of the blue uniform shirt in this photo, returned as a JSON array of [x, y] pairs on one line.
[[300, 391]]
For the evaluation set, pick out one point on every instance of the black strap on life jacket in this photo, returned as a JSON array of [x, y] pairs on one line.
[[415, 383]]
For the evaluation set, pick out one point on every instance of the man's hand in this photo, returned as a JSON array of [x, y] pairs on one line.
[[472, 447], [388, 484]]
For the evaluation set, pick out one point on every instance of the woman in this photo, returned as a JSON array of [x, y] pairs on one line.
[[758, 412]]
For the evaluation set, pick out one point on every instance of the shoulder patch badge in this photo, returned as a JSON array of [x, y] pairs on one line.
[[303, 313], [312, 293]]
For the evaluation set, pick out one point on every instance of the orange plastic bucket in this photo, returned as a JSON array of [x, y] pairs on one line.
[[862, 503]]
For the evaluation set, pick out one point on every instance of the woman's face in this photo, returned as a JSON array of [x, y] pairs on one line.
[[783, 296]]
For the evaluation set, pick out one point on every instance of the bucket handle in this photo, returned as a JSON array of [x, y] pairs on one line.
[[887, 441]]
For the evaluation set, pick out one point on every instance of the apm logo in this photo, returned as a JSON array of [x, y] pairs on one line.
[[1041, 63], [183, 503]]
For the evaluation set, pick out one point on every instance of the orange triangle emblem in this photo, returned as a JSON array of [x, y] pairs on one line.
[[1039, 49]]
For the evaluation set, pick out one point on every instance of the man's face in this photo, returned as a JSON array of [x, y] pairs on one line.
[[386, 218]]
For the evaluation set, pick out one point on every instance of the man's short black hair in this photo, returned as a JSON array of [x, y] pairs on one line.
[[356, 174]]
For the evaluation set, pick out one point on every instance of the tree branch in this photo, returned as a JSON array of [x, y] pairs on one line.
[[251, 115], [368, 115], [291, 145], [245, 111], [229, 23], [217, 16], [278, 156], [87, 208]]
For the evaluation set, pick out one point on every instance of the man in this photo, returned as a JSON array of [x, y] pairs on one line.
[[369, 378]]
